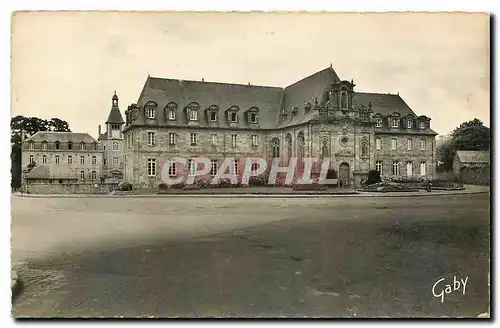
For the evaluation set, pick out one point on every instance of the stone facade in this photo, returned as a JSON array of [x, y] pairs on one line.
[[62, 157], [320, 116]]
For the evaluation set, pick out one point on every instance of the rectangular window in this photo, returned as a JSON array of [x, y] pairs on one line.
[[94, 160], [193, 115], [213, 167], [151, 167], [395, 122], [171, 114], [378, 143], [94, 175], [82, 175], [172, 169], [393, 143], [44, 145], [213, 116], [409, 168], [115, 145], [32, 159], [233, 140], [82, 146], [422, 144], [234, 167], [193, 139], [58, 145], [423, 168], [151, 112], [70, 146], [234, 117], [255, 141], [253, 117], [191, 167], [378, 166], [378, 123], [408, 144], [408, 124], [44, 159], [214, 140], [255, 167], [82, 160], [171, 138], [395, 168], [422, 125], [57, 159], [105, 162], [151, 138], [31, 145], [115, 161], [70, 159]]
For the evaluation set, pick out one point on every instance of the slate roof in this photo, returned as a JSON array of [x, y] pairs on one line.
[[224, 95], [383, 104], [473, 156], [269, 100], [45, 172], [75, 137], [115, 117]]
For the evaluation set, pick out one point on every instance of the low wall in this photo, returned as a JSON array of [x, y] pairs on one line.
[[74, 188]]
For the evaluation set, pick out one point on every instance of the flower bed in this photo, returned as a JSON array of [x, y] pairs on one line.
[[386, 186]]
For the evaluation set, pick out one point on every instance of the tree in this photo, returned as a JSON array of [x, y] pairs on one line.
[[28, 126], [471, 135]]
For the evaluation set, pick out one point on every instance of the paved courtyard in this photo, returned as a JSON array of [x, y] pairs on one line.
[[182, 256]]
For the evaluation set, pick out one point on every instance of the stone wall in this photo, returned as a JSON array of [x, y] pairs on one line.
[[68, 188]]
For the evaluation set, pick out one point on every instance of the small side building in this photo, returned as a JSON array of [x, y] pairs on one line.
[[472, 167]]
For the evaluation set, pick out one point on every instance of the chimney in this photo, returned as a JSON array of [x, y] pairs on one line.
[[99, 131], [202, 79]]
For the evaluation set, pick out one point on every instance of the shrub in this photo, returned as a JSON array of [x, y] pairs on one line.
[[179, 185], [204, 183], [373, 177], [124, 186], [163, 186], [258, 181]]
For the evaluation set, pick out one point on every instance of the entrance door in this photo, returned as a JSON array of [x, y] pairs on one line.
[[344, 175]]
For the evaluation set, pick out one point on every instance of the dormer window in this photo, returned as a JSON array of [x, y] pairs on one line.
[[171, 114], [31, 145], [82, 146], [171, 110], [193, 111], [150, 112], [232, 115], [253, 117], [409, 123], [395, 122], [295, 109], [58, 145], [213, 116], [422, 125], [44, 145], [378, 122], [70, 145]]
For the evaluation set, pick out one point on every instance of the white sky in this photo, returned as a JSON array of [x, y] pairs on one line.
[[67, 65]]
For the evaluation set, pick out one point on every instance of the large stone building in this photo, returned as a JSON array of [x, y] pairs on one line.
[[319, 116]]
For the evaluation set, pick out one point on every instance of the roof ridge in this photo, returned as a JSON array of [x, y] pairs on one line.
[[215, 82], [309, 76]]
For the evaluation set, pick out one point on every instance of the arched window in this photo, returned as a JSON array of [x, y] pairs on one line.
[[275, 145], [301, 144], [324, 148], [288, 139], [70, 145], [343, 101], [364, 147], [82, 146], [58, 145]]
